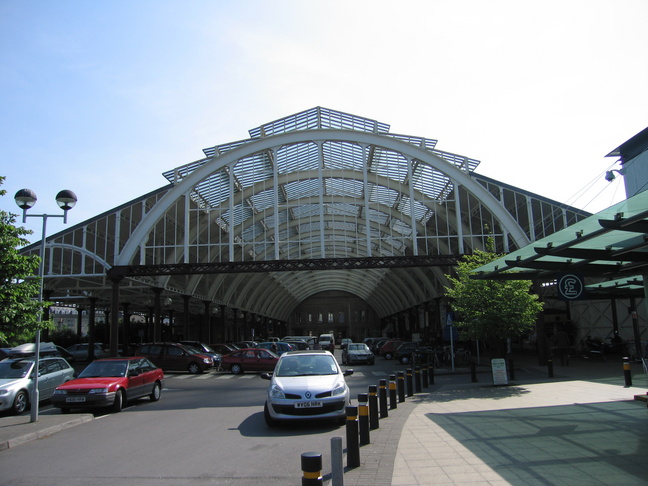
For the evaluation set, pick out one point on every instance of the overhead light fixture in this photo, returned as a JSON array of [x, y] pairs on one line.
[[609, 175]]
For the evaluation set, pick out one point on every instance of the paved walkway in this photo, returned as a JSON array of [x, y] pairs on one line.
[[581, 427]]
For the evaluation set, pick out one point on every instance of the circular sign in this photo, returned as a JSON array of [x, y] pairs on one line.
[[571, 286]]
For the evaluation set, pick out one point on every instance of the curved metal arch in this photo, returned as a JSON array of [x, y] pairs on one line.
[[83, 251], [264, 144]]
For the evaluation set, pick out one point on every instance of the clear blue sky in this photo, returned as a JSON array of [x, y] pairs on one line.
[[101, 97]]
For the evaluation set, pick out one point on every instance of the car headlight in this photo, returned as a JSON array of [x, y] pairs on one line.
[[276, 392], [207, 360], [97, 391], [4, 392], [60, 392], [339, 389]]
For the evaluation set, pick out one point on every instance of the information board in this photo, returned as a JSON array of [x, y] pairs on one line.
[[498, 366]]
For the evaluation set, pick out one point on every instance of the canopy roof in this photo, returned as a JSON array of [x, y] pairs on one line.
[[235, 227], [611, 244]]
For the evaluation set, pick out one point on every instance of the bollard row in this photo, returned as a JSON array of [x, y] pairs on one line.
[[372, 407]]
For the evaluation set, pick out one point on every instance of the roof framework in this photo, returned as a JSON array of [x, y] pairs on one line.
[[317, 186]]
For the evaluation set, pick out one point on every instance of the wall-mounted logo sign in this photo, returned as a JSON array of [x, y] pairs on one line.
[[571, 287]]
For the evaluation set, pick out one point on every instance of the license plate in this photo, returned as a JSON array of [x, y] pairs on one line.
[[308, 404], [75, 399]]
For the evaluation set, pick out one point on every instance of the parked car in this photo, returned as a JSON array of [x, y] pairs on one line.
[[326, 341], [387, 350], [299, 344], [245, 344], [80, 351], [205, 349], [278, 347], [345, 342], [357, 353], [223, 348], [46, 349], [306, 385], [311, 340], [176, 357], [409, 351], [110, 382], [250, 359], [16, 380], [375, 347]]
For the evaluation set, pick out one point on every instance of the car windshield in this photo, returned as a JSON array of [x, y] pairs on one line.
[[15, 369], [98, 369], [357, 347], [307, 365]]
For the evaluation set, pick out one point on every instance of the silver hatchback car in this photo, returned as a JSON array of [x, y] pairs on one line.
[[16, 385], [306, 385]]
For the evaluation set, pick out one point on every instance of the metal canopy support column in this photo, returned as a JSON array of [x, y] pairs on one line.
[[367, 213], [410, 185], [322, 191], [114, 322], [205, 324], [91, 328], [226, 336], [157, 310], [185, 312], [125, 326], [79, 330], [458, 223]]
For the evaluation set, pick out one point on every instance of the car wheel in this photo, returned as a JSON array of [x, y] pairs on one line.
[[157, 391], [65, 411], [388, 356], [270, 422], [236, 369], [119, 401], [20, 402], [404, 360], [194, 369]]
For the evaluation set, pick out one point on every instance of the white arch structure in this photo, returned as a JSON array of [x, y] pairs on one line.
[[317, 184]]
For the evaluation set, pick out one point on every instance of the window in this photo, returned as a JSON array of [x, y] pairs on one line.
[[174, 351]]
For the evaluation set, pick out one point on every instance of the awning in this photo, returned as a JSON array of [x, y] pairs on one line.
[[611, 244]]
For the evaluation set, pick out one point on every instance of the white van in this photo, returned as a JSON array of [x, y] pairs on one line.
[[326, 340]]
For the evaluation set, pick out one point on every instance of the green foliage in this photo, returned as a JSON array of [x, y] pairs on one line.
[[19, 307], [491, 309]]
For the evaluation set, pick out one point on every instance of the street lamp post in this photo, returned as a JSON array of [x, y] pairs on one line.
[[25, 199]]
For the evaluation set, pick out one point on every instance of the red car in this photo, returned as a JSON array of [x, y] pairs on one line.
[[110, 382], [250, 359]]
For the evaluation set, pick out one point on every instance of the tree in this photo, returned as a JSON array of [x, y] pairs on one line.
[[19, 306], [491, 310]]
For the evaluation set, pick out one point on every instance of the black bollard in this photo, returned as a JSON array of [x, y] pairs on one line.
[[363, 418], [401, 386], [373, 407], [353, 445], [382, 398], [473, 372], [550, 367], [511, 366], [424, 376], [311, 464], [417, 379], [392, 392], [431, 374], [627, 374], [410, 389]]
